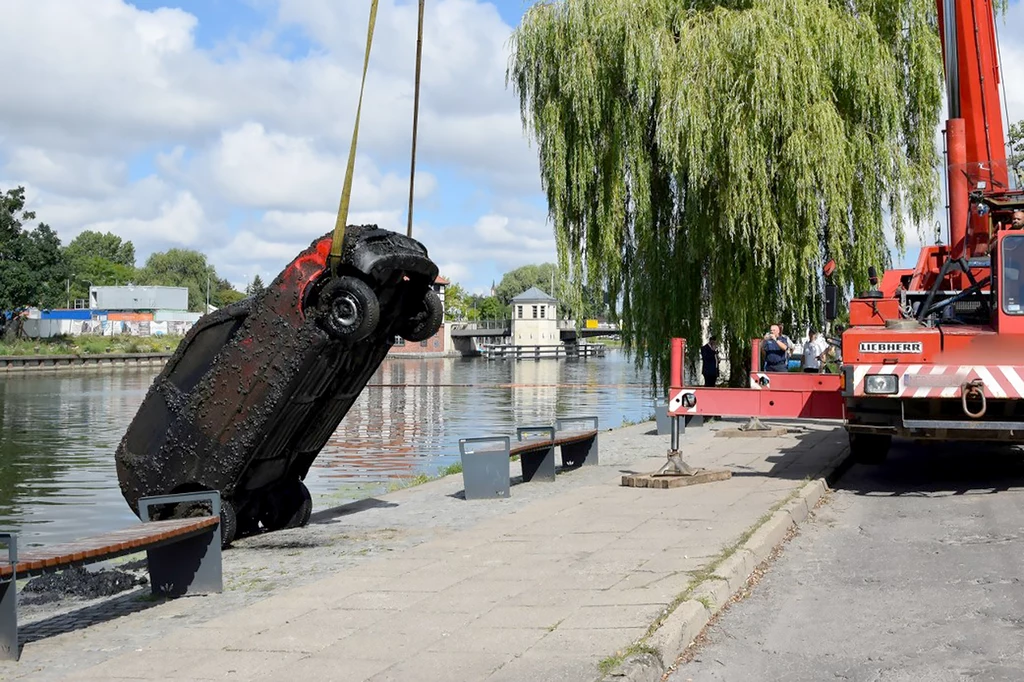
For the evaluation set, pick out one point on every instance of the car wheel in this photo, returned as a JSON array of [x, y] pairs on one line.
[[289, 506], [426, 318], [349, 309], [228, 523]]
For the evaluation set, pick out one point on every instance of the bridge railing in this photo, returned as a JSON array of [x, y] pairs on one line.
[[483, 324]]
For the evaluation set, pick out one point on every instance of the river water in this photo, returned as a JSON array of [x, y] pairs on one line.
[[58, 432]]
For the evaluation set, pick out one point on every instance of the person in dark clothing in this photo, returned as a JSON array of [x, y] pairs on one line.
[[709, 361], [776, 350]]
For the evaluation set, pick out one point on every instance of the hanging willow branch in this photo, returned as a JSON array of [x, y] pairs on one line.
[[704, 159]]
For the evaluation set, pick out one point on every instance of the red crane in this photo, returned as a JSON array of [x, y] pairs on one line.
[[937, 351]]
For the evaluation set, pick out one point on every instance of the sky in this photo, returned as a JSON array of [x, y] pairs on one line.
[[224, 125]]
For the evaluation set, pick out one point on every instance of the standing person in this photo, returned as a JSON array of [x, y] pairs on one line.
[[814, 353], [785, 340], [709, 361], [776, 350]]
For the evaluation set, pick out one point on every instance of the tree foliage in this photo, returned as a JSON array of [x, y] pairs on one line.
[[704, 158], [33, 271], [456, 302], [189, 268], [1015, 160], [256, 286], [105, 245], [515, 282], [98, 259]]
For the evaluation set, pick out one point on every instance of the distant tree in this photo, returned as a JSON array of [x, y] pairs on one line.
[[515, 282], [456, 302], [225, 294], [98, 259], [491, 308], [1015, 137], [256, 286], [547, 278], [181, 268], [105, 245], [33, 270]]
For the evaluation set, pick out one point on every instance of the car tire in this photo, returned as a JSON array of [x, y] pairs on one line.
[[228, 523], [349, 310], [426, 318], [288, 506]]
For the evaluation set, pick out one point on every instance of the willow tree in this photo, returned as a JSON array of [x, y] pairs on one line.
[[705, 159]]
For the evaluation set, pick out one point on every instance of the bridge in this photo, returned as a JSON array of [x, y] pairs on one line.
[[497, 328]]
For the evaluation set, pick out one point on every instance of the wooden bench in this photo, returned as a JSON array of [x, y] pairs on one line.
[[485, 462], [183, 557]]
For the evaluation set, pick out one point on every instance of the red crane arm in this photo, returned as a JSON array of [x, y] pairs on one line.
[[976, 139]]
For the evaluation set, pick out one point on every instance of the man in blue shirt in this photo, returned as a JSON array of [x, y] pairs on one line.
[[776, 350]]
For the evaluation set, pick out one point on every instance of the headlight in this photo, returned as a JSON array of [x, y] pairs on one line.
[[875, 384]]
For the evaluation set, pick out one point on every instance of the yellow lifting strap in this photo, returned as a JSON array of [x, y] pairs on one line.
[[346, 191]]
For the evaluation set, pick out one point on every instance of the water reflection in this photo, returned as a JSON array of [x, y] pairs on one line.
[[58, 432]]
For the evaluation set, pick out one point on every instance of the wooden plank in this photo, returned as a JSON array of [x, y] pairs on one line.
[[675, 481], [566, 438], [128, 540]]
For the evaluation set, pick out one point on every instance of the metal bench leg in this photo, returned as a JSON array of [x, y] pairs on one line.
[[9, 605], [580, 454], [538, 465], [584, 453], [190, 566], [485, 471]]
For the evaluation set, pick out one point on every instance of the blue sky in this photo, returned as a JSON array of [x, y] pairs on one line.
[[223, 125]]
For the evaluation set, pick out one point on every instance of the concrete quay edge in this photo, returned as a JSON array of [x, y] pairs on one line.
[[655, 653]]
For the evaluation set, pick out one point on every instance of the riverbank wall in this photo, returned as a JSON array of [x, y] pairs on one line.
[[19, 364], [16, 364]]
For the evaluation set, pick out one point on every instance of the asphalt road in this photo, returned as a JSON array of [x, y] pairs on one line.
[[913, 571]]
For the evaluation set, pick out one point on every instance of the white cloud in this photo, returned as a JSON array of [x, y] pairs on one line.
[[123, 123], [180, 221], [256, 168], [71, 174]]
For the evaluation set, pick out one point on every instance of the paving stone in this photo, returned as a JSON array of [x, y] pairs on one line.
[[526, 616], [333, 669], [591, 644], [238, 665], [484, 639], [443, 667]]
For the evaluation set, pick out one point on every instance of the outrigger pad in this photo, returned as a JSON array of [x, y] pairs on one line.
[[255, 390]]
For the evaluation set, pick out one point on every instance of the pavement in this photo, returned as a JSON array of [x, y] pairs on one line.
[[911, 572], [576, 579]]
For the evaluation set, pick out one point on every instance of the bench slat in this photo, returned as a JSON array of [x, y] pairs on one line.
[[564, 438], [136, 538]]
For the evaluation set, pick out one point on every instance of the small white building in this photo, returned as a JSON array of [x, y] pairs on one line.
[[535, 319]]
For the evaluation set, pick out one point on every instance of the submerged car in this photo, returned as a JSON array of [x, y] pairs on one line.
[[255, 390]]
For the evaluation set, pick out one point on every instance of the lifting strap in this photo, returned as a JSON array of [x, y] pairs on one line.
[[346, 191], [415, 115]]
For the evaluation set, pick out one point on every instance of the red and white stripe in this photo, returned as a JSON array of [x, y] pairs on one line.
[[1000, 381]]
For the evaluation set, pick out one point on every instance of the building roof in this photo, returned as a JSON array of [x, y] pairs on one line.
[[533, 295], [441, 280]]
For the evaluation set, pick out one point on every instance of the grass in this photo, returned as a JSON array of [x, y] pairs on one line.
[[90, 345]]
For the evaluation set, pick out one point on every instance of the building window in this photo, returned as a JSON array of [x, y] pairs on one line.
[[520, 312], [399, 341], [543, 310], [535, 312], [423, 343]]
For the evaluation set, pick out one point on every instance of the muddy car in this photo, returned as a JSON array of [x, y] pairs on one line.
[[257, 388]]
